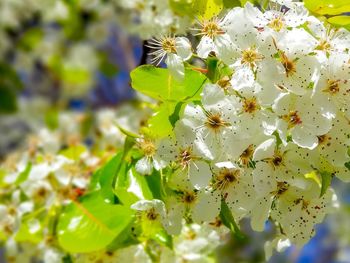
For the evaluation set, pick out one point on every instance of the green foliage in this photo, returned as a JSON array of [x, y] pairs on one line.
[[347, 165], [10, 84], [212, 65], [29, 231], [154, 182], [326, 182], [8, 103], [333, 10], [228, 220], [207, 8], [91, 224], [243, 2], [340, 21], [182, 7], [106, 66], [159, 84], [106, 177], [328, 7], [51, 118], [159, 124], [231, 3], [163, 238], [74, 152], [24, 174], [126, 238], [31, 38]]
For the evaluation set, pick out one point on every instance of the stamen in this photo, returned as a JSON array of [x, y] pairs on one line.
[[292, 118], [215, 122]]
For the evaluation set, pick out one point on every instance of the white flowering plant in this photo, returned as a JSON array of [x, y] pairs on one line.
[[250, 122]]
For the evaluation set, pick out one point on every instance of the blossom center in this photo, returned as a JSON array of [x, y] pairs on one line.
[[281, 188], [151, 214], [211, 29], [332, 87], [289, 65], [185, 157], [250, 105], [246, 155], [277, 160], [189, 197], [148, 148], [226, 177], [324, 140], [11, 210], [41, 193], [292, 118], [324, 45], [224, 83], [215, 122], [217, 223], [168, 44], [304, 205], [250, 56], [276, 24]]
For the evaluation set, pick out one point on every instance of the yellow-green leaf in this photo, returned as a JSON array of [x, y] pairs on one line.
[[207, 9], [159, 84], [328, 7], [341, 21], [74, 152], [91, 225], [159, 123]]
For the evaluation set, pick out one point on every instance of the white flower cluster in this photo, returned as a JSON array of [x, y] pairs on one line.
[[195, 243], [53, 168], [262, 138], [149, 18]]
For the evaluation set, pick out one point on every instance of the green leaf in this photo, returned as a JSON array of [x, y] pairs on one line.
[[67, 259], [175, 116], [30, 231], [75, 75], [182, 7], [154, 182], [86, 124], [340, 21], [24, 174], [74, 152], [254, 2], [107, 174], [132, 187], [139, 184], [31, 38], [207, 8], [91, 225], [8, 103], [159, 84], [231, 3], [347, 165], [51, 118], [128, 133], [326, 182], [328, 7], [10, 84], [163, 238], [160, 124], [212, 65], [126, 238], [228, 220], [9, 78], [106, 66]]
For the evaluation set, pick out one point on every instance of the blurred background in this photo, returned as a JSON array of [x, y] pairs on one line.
[[64, 68]]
